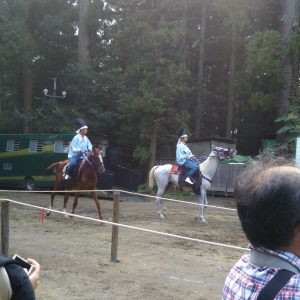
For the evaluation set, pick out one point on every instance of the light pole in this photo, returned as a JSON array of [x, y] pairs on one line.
[[54, 96]]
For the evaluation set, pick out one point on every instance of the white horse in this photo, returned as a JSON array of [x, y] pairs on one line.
[[162, 176]]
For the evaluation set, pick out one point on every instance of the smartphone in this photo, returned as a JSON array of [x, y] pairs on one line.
[[24, 264]]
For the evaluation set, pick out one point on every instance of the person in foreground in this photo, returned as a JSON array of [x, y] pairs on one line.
[[268, 205], [15, 282]]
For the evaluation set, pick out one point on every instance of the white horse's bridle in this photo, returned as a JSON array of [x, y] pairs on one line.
[[222, 153]]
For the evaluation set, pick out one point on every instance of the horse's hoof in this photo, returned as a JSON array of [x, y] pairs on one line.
[[201, 219], [48, 213]]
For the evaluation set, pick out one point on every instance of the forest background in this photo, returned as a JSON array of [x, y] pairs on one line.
[[140, 70]]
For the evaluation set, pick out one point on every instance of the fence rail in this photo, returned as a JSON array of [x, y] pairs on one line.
[[115, 222]]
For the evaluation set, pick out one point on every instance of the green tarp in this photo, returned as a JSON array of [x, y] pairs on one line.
[[243, 159]]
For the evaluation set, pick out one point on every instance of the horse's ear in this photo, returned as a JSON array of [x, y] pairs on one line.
[[213, 147]]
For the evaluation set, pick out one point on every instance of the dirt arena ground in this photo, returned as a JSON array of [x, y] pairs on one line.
[[75, 254]]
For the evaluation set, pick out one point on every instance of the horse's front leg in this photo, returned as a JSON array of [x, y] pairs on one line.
[[75, 202], [159, 211], [97, 202], [66, 197], [48, 212], [203, 202]]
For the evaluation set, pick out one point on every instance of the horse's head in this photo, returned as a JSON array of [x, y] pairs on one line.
[[96, 159], [223, 153]]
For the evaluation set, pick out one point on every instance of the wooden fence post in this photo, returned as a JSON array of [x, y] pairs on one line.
[[4, 228], [115, 229]]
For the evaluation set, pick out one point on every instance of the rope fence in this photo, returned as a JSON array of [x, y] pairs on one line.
[[115, 224], [125, 192]]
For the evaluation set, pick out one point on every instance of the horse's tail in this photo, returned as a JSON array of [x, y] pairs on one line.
[[49, 169], [151, 179]]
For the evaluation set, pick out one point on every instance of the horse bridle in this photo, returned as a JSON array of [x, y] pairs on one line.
[[92, 162], [219, 151]]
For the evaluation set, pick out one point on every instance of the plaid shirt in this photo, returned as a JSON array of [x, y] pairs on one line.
[[245, 280]]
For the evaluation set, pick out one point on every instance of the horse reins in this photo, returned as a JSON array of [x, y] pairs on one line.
[[209, 180], [93, 165], [87, 159]]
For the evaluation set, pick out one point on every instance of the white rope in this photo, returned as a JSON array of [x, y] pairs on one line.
[[130, 227], [126, 192], [180, 201]]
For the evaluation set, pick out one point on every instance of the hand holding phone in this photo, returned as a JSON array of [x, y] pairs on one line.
[[35, 275], [24, 264]]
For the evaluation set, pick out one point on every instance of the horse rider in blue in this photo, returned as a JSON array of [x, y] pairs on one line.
[[185, 157], [79, 148]]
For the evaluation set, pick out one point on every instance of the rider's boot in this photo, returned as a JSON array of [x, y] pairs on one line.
[[67, 177], [189, 180]]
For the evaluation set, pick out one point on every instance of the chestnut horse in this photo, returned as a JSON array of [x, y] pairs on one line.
[[87, 180]]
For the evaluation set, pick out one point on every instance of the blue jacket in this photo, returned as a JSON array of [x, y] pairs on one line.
[[78, 144]]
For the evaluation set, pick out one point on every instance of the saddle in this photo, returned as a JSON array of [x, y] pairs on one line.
[[182, 173]]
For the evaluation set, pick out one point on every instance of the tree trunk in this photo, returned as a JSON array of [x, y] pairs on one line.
[[1, 97], [183, 29], [288, 9], [199, 100], [232, 70], [295, 76], [27, 83], [83, 38], [153, 144]]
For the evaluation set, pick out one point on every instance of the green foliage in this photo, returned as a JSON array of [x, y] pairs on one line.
[[154, 82], [141, 154], [264, 60], [294, 42], [142, 79], [172, 193], [291, 126], [260, 100], [264, 54]]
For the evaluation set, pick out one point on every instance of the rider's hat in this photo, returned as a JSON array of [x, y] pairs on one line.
[[182, 133], [80, 124]]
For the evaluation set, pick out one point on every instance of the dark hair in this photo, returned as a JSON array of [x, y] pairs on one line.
[[268, 205]]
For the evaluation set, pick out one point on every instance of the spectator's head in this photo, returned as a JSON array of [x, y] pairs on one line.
[[268, 204]]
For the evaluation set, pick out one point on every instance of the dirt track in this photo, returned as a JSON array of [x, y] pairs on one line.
[[75, 254]]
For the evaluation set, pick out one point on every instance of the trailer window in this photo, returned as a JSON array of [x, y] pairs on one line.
[[12, 145], [35, 146], [61, 146], [7, 166]]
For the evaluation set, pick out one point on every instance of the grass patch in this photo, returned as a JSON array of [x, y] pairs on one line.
[[173, 193]]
